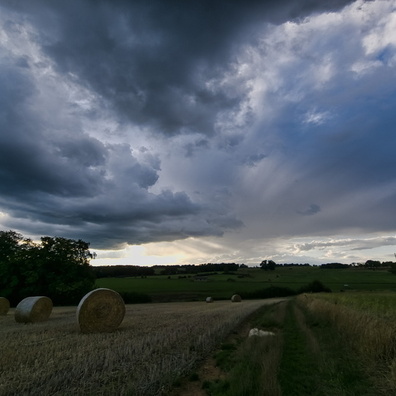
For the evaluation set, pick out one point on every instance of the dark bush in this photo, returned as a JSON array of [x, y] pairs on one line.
[[314, 287]]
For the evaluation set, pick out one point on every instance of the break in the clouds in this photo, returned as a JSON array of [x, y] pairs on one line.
[[257, 122]]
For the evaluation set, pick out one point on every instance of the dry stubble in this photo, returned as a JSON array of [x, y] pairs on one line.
[[155, 344]]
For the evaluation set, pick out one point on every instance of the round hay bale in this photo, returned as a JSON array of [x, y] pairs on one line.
[[209, 299], [236, 298], [4, 306], [33, 309], [100, 311]]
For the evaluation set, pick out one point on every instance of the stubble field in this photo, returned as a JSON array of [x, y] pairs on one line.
[[155, 345]]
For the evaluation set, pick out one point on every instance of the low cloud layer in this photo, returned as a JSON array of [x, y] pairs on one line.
[[128, 123]]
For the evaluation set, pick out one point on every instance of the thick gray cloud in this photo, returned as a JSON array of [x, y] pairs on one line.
[[133, 122], [157, 63], [56, 178]]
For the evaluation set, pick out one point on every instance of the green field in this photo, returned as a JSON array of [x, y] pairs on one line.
[[222, 286]]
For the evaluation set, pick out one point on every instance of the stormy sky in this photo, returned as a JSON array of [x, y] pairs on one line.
[[208, 131]]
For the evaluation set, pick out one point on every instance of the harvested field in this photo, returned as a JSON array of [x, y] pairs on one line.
[[4, 306], [153, 347]]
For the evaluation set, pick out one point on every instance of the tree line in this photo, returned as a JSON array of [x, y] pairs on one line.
[[55, 267], [110, 271]]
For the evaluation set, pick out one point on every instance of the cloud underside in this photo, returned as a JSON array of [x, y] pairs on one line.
[[127, 123]]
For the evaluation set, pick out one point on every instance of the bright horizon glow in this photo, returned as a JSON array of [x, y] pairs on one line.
[[133, 255], [189, 251]]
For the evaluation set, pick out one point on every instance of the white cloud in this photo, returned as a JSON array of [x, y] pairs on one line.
[[384, 33], [316, 117]]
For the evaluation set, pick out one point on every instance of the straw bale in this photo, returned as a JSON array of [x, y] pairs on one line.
[[33, 309], [209, 299], [236, 298], [101, 310], [4, 306]]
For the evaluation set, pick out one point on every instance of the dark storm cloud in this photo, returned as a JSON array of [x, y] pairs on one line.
[[32, 161], [57, 179], [158, 65], [72, 184], [153, 62]]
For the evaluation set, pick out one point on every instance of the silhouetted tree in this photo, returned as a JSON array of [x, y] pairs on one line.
[[268, 265], [56, 267], [372, 264]]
